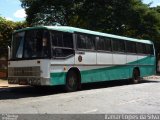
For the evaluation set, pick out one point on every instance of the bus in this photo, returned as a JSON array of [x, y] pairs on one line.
[[69, 56]]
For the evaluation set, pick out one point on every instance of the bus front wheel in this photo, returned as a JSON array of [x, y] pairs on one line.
[[136, 76], [71, 81]]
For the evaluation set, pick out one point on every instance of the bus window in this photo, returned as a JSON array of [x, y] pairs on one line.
[[104, 44], [57, 39], [85, 42], [81, 41], [131, 47], [68, 40], [36, 45], [30, 45], [100, 44], [107, 44], [118, 45], [149, 49], [46, 44], [62, 44], [18, 42], [141, 49], [90, 43]]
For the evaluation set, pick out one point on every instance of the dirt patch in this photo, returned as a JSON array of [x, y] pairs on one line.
[[3, 83], [153, 77]]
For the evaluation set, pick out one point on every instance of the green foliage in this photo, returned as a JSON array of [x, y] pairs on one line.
[[123, 17], [6, 29]]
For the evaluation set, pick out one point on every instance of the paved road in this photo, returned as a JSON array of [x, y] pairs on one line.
[[108, 97]]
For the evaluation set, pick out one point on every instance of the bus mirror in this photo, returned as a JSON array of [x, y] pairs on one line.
[[9, 52]]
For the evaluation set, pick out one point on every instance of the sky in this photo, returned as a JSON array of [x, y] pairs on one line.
[[12, 10], [154, 4]]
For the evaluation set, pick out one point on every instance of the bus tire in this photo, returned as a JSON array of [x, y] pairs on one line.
[[72, 81], [136, 76]]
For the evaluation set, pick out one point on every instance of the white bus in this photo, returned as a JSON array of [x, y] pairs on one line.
[[63, 55]]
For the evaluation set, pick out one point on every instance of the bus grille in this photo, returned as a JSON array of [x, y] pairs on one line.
[[24, 71]]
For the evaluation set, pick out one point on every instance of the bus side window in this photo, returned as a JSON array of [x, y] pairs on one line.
[[151, 50], [141, 49], [85, 41], [68, 40], [81, 44], [130, 47], [57, 39], [100, 44], [90, 44], [118, 45], [107, 44], [104, 44], [62, 44]]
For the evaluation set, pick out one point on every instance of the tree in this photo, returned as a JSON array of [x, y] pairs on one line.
[[126, 17], [6, 29], [47, 12]]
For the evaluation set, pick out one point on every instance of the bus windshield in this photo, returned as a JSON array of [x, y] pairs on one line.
[[32, 44]]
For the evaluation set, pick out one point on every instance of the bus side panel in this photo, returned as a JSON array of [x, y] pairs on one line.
[[93, 74], [104, 58], [131, 58], [119, 59], [97, 73], [132, 62], [106, 73], [85, 58], [58, 70], [147, 66], [117, 72]]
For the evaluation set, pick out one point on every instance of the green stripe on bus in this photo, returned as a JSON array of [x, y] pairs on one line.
[[110, 73]]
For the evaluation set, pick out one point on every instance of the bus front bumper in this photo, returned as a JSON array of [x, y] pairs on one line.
[[29, 81]]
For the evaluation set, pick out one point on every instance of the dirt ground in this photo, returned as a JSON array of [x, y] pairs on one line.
[[4, 84]]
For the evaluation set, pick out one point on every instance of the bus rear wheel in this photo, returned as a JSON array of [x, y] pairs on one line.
[[136, 76], [72, 81]]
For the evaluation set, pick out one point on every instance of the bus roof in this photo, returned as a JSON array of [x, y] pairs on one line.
[[74, 29]]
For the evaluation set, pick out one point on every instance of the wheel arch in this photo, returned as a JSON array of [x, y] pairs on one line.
[[77, 72], [137, 68]]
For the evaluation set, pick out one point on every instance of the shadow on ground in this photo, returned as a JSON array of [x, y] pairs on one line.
[[28, 91]]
